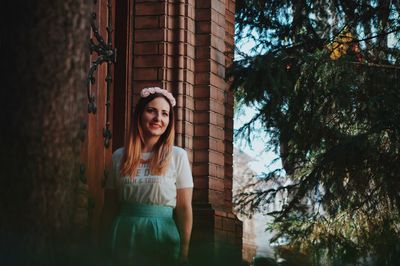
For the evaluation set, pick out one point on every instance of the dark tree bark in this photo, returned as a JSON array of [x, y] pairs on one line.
[[44, 63]]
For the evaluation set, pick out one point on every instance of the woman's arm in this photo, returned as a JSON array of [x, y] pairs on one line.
[[184, 218]]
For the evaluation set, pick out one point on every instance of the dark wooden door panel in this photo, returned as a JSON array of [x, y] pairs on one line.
[[97, 144]]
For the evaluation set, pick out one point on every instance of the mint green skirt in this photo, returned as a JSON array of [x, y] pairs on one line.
[[145, 235]]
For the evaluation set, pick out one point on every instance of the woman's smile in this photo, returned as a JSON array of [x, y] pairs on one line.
[[155, 125]]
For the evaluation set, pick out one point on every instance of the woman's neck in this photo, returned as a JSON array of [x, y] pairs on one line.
[[149, 144]]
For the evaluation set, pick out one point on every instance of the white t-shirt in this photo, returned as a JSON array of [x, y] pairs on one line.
[[149, 189]]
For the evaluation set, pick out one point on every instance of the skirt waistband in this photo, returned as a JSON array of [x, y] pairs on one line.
[[146, 210]]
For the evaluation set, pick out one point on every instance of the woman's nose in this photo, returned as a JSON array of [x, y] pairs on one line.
[[157, 116]]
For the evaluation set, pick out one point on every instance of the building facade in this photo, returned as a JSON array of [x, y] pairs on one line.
[[185, 47]]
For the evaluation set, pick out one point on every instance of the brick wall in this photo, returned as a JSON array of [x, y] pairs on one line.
[[185, 46]]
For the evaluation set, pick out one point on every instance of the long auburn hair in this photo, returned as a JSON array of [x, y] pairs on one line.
[[133, 146]]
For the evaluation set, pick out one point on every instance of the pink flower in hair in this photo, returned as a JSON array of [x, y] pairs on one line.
[[172, 100], [151, 90], [144, 93]]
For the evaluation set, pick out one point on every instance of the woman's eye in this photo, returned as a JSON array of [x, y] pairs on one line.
[[165, 114]]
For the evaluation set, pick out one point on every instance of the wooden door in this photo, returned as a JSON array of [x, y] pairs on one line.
[[96, 146], [108, 104]]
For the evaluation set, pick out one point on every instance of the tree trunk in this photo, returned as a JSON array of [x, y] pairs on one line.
[[45, 59]]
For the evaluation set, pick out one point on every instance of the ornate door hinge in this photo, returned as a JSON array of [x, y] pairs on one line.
[[105, 54]]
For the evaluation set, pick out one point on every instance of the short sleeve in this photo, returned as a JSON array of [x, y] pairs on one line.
[[184, 177], [111, 180]]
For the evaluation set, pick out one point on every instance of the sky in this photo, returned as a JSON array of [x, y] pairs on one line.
[[262, 158]]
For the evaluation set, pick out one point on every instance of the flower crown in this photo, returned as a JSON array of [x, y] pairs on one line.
[[151, 90]]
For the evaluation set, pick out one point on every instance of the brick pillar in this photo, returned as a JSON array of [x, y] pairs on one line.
[[213, 118], [164, 57], [181, 46], [148, 52], [232, 228]]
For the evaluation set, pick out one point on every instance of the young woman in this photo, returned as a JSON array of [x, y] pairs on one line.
[[150, 179]]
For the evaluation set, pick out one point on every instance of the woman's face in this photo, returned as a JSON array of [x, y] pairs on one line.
[[155, 118]]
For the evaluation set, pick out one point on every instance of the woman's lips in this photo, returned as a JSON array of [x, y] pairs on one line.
[[155, 125]]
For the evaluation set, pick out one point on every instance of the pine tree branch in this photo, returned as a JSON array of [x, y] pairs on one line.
[[376, 65]]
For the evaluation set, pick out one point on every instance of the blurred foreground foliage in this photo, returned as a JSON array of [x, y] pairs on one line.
[[325, 79]]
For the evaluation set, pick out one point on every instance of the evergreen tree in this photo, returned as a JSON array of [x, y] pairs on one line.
[[325, 78]]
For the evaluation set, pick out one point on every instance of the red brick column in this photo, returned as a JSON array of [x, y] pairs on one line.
[[164, 56], [149, 36], [232, 228], [181, 46], [213, 117]]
